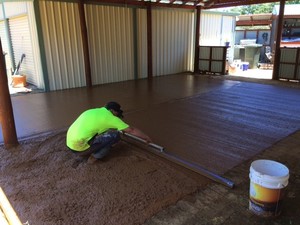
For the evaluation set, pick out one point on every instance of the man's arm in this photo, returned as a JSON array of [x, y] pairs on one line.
[[136, 132]]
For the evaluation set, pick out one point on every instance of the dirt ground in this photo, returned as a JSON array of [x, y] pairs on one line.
[[45, 184]]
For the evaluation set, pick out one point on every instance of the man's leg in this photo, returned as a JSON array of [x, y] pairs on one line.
[[102, 144]]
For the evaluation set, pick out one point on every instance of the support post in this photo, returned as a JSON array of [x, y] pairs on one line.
[[84, 35], [197, 38], [6, 110], [275, 75], [149, 40]]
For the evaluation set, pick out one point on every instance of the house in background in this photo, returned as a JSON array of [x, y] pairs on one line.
[[262, 28], [254, 27], [291, 25]]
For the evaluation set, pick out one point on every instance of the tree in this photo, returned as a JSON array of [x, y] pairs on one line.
[[254, 9], [293, 2], [259, 8]]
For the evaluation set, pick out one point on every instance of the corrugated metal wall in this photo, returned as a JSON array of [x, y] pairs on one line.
[[111, 35], [173, 41], [11, 9], [289, 67], [228, 27], [14, 8], [36, 54], [110, 31], [63, 45], [5, 49], [216, 28], [142, 57], [210, 29], [21, 40]]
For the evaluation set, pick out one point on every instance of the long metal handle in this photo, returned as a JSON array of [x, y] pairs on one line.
[[160, 148], [201, 170], [196, 168]]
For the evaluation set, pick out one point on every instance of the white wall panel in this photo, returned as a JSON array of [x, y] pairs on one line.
[[110, 32], [22, 44], [63, 45], [287, 63], [13, 8], [216, 28], [286, 71], [172, 41], [36, 55], [210, 29], [5, 49], [288, 55], [111, 43]]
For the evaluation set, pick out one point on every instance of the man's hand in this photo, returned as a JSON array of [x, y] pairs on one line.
[[136, 132]]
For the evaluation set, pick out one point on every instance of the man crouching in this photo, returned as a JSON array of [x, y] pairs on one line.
[[94, 132]]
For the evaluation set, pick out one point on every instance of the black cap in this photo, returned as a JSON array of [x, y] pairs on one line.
[[116, 107]]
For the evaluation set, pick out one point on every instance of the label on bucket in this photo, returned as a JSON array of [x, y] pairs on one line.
[[265, 195], [265, 202], [265, 210]]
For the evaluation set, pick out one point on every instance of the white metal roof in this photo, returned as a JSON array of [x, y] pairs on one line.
[[293, 9]]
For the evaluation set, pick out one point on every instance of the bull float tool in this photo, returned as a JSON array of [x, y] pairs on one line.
[[192, 166]]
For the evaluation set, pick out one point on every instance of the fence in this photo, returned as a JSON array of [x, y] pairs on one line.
[[212, 59], [289, 65]]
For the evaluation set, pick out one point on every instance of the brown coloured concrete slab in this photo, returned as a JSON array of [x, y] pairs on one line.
[[45, 112], [211, 122], [219, 130]]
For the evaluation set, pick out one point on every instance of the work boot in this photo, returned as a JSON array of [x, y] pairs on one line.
[[92, 160]]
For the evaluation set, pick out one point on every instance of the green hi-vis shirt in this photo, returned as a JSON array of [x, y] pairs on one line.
[[90, 123]]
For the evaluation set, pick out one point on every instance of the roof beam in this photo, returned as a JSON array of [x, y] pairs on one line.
[[231, 3], [253, 22], [143, 3]]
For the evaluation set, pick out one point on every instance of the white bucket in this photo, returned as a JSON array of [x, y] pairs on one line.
[[268, 180]]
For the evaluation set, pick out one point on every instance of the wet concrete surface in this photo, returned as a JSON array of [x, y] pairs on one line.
[[211, 122], [225, 127], [44, 112]]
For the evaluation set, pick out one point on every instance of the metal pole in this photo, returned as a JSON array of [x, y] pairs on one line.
[[197, 38], [275, 75], [6, 110], [194, 167], [161, 149], [149, 40], [85, 44]]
